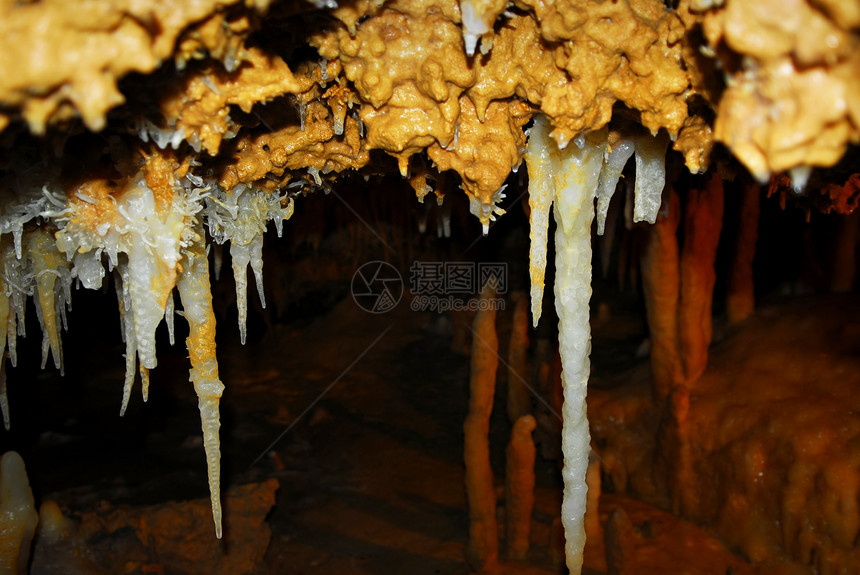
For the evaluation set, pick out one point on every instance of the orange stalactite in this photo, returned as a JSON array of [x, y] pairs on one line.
[[196, 295]]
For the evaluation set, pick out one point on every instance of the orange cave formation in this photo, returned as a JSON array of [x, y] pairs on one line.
[[487, 400]]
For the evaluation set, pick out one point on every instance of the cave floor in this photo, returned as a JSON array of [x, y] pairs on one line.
[[365, 412]]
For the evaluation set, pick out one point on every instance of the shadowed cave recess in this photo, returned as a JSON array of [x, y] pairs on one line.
[[534, 287]]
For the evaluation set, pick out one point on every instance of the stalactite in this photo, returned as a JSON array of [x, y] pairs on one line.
[[576, 184], [519, 397], [4, 323], [48, 267], [196, 296], [616, 159], [703, 221], [661, 287], [153, 248], [540, 164], [125, 314], [740, 300], [169, 311], [650, 176], [240, 257], [482, 550], [519, 487]]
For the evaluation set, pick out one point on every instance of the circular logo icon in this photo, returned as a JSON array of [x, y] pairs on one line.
[[377, 287]]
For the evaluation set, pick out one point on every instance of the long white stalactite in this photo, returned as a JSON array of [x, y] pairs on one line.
[[571, 179]]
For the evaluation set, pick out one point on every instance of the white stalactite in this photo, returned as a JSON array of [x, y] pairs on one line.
[[152, 242], [240, 257], [570, 178], [541, 164], [574, 212], [650, 176], [127, 319], [615, 160]]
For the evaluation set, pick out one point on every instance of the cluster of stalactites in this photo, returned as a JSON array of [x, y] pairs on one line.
[[543, 159], [148, 232], [570, 180]]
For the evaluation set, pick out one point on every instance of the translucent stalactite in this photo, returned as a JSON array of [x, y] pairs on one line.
[[240, 257], [569, 177], [48, 267], [152, 244], [574, 212], [616, 159], [541, 165], [650, 176], [196, 296], [125, 313], [240, 217], [169, 311], [4, 322]]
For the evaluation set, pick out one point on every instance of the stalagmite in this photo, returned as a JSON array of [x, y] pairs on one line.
[[18, 518], [519, 487], [482, 550], [196, 296], [519, 396], [703, 221], [740, 299]]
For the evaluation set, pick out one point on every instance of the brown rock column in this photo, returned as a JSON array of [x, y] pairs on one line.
[[740, 300], [660, 284], [845, 258], [520, 486], [703, 222], [482, 550], [519, 397]]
